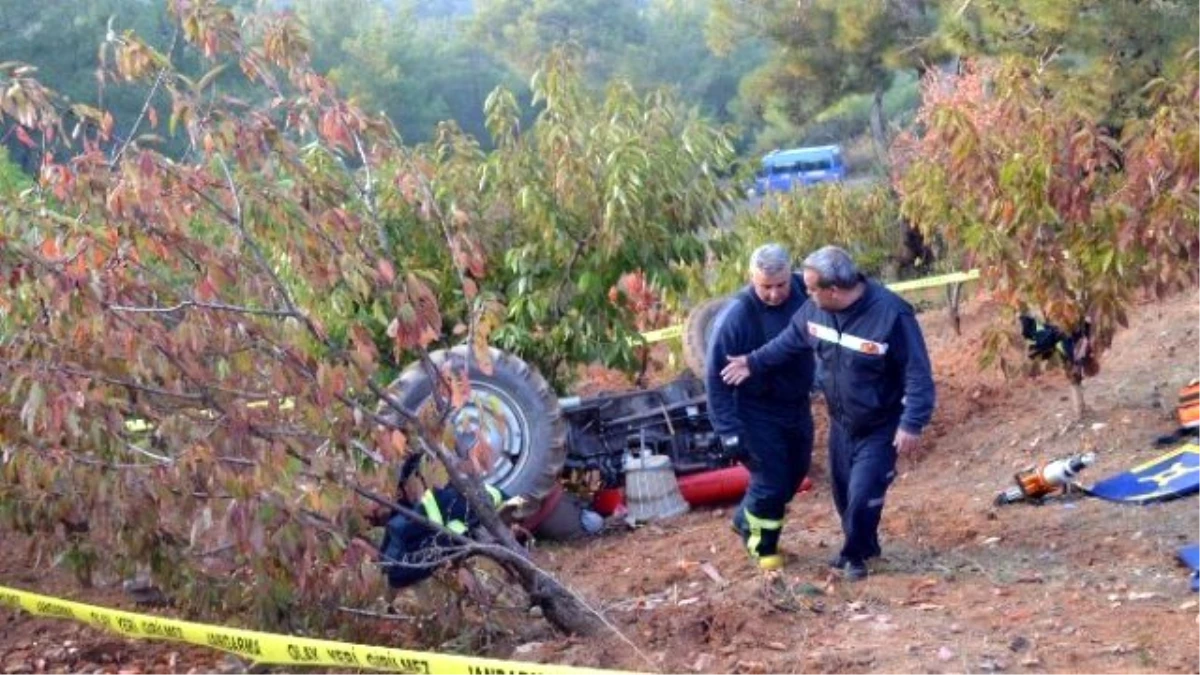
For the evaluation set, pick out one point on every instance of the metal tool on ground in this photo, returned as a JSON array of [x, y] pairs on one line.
[[1036, 482]]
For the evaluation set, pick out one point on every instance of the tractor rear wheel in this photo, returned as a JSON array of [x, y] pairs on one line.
[[697, 333], [513, 407]]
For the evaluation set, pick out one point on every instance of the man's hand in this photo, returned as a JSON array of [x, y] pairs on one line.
[[514, 509], [378, 515], [736, 371], [906, 443]]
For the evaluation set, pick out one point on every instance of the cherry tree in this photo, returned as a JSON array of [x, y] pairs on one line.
[[196, 348]]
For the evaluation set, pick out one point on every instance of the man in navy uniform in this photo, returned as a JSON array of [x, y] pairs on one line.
[[877, 382], [767, 422], [413, 549]]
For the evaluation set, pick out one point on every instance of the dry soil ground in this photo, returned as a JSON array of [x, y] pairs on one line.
[[1075, 585]]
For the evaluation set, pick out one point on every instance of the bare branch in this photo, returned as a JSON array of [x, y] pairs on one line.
[[376, 615], [142, 451], [215, 306], [367, 192], [146, 104], [261, 257], [128, 384]]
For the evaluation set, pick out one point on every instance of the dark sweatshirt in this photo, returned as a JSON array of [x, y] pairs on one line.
[[745, 325], [874, 367]]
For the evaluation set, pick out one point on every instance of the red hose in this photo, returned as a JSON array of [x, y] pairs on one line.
[[722, 486], [719, 486]]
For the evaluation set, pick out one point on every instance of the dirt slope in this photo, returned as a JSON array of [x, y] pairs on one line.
[[1077, 585]]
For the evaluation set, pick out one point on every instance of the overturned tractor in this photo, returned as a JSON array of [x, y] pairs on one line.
[[540, 441]]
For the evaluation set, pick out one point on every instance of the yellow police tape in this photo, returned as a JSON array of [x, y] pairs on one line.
[[270, 648], [671, 332], [930, 282]]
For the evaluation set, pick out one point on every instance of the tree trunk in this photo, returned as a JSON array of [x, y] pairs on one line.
[[560, 607], [878, 127], [954, 301], [1077, 400]]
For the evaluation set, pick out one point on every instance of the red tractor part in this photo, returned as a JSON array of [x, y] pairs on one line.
[[607, 501], [549, 504], [707, 488], [721, 486]]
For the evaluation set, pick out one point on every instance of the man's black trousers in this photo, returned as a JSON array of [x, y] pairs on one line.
[[861, 467], [778, 453]]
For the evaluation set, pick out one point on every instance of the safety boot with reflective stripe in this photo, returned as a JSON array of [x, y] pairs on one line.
[[762, 541]]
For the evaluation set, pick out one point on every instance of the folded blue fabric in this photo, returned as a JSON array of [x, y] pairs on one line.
[[1190, 555]]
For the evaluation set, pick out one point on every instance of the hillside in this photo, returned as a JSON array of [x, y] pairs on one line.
[[1076, 585]]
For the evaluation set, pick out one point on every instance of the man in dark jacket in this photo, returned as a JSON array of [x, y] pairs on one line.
[[877, 381], [411, 550], [767, 422]]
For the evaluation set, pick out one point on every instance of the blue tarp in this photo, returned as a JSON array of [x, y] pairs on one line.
[[1175, 474], [1190, 555]]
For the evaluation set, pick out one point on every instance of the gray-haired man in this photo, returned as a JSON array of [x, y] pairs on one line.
[[768, 421]]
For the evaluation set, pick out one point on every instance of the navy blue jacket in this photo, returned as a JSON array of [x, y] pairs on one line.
[[414, 544], [746, 324], [874, 368]]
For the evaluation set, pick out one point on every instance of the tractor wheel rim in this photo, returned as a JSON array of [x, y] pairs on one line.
[[492, 413]]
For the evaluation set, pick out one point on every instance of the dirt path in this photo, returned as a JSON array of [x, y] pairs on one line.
[[1077, 585]]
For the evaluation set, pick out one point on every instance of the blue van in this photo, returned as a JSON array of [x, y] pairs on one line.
[[784, 169]]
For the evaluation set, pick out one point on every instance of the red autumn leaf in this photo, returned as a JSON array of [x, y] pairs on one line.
[[386, 271], [205, 290], [365, 354], [478, 264], [49, 249], [24, 137], [425, 306], [481, 454], [460, 386], [397, 443], [60, 187]]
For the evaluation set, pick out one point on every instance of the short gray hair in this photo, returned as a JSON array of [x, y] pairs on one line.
[[771, 259], [834, 267]]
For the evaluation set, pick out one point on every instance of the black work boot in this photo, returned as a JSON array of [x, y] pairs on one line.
[[837, 562], [854, 570]]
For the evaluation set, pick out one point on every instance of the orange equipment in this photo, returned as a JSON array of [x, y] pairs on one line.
[[1189, 405], [1038, 481]]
